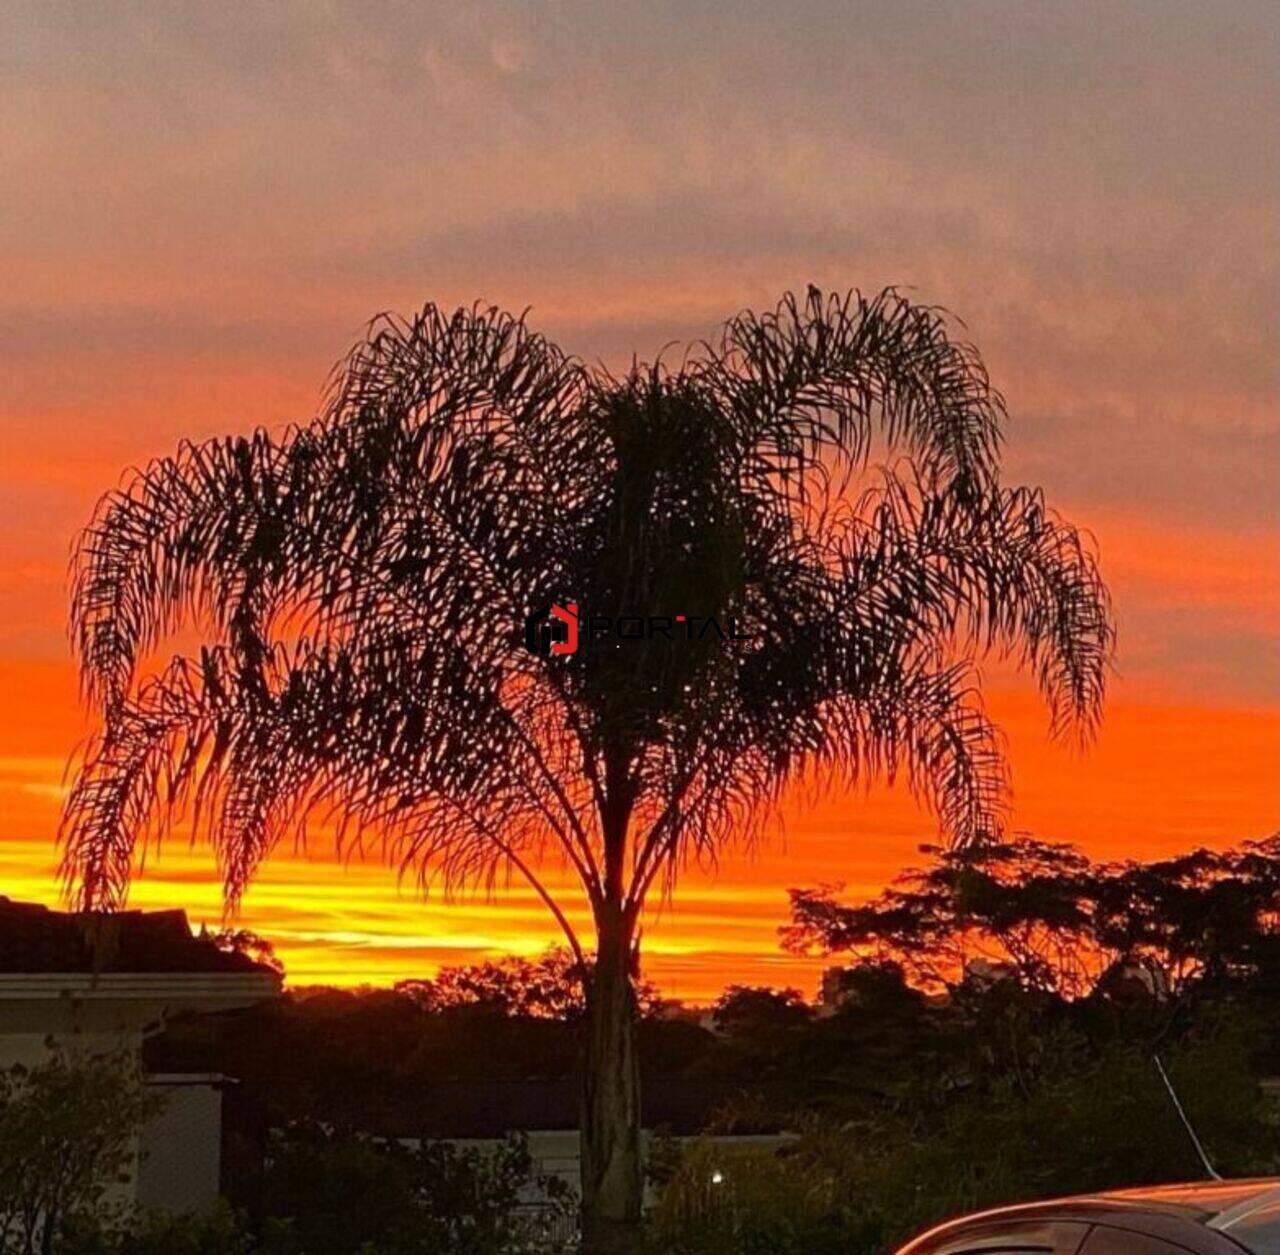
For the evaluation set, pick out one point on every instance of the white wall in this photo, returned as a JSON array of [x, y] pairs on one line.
[[181, 1148]]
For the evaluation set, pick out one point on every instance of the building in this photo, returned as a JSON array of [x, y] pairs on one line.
[[93, 984]]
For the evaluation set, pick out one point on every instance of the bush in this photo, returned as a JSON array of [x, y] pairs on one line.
[[331, 1193], [1088, 1119], [156, 1233], [67, 1131], [67, 1136], [755, 1203]]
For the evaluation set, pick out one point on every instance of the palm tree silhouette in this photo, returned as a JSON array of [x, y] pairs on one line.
[[825, 474]]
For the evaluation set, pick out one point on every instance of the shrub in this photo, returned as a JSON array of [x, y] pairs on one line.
[[67, 1136], [1089, 1119]]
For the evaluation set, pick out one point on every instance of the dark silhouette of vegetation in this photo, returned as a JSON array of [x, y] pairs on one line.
[[826, 475], [68, 1129], [752, 1011], [342, 1192], [343, 1053], [1020, 1065], [333, 1192], [930, 1083], [552, 987], [430, 1057], [245, 941], [1086, 1114], [1059, 923]]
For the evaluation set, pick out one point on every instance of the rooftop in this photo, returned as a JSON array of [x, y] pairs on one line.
[[35, 939]]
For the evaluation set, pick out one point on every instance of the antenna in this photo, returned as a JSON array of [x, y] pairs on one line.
[[1186, 1123]]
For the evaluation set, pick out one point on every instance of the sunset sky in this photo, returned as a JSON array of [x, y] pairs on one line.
[[202, 205]]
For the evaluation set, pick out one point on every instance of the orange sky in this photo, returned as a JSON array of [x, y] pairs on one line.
[[202, 207]]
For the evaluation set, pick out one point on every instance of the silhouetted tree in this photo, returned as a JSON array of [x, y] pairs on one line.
[[246, 941], [553, 987], [759, 1011], [1021, 905], [363, 580], [1205, 916], [1058, 922]]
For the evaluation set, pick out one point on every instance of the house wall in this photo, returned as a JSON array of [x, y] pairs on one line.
[[31, 1049], [177, 1164], [181, 1148]]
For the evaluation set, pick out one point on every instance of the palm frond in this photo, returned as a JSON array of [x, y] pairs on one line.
[[360, 583]]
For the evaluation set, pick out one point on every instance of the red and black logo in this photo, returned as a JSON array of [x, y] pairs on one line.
[[552, 629], [558, 629]]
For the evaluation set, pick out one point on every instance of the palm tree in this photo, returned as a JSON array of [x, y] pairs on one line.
[[816, 493]]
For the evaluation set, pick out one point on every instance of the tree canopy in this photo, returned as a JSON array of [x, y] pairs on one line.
[[804, 517], [362, 577], [1058, 921]]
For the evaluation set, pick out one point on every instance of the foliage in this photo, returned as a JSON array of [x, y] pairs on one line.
[[749, 1201], [67, 1136], [362, 577], [551, 987], [331, 1193], [222, 1232], [746, 1010], [1057, 922], [1083, 1120], [1029, 1076], [246, 941]]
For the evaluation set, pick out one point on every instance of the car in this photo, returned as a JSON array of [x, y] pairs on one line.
[[1208, 1218]]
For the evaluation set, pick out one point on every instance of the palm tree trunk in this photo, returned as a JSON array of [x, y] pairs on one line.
[[612, 1172]]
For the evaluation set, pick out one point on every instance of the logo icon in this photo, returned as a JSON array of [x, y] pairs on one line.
[[552, 629]]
